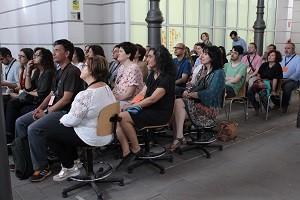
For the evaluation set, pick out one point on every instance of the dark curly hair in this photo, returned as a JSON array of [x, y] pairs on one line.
[[164, 61], [129, 48], [278, 57], [98, 66], [47, 58], [215, 54]]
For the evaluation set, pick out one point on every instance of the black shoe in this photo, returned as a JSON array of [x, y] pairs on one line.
[[284, 109], [126, 160]]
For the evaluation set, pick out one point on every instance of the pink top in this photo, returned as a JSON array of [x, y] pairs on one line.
[[255, 60], [128, 76]]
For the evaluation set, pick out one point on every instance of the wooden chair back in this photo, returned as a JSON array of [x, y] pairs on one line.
[[105, 125]]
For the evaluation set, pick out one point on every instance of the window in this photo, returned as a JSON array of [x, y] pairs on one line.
[[206, 12], [175, 36], [219, 19], [192, 12], [138, 15], [139, 34], [231, 13], [243, 14], [191, 36], [175, 9]]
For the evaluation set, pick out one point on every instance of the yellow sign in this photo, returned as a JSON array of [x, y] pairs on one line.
[[75, 5]]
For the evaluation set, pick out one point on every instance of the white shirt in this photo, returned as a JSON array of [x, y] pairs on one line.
[[195, 72], [84, 113]]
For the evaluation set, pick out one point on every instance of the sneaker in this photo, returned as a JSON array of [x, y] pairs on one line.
[[66, 173], [40, 175], [78, 163]]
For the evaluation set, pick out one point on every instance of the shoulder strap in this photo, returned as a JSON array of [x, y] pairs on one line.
[[10, 65]]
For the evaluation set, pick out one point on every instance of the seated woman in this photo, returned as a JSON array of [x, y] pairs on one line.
[[156, 106], [268, 77], [37, 87], [202, 102], [78, 127], [129, 81]]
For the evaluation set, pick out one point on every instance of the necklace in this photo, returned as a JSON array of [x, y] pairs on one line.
[[92, 83]]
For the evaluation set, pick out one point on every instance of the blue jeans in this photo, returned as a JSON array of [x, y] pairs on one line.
[[35, 130]]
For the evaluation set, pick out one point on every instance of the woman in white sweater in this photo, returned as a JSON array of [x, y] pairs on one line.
[[78, 127]]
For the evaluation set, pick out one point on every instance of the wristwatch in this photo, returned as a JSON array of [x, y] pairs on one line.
[[46, 111]]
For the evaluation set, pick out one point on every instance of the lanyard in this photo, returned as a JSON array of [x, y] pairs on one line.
[[285, 63], [9, 67]]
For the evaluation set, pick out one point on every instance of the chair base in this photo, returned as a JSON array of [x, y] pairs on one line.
[[151, 161], [202, 147], [93, 184]]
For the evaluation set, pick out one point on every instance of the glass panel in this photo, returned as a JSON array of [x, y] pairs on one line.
[[270, 22], [252, 13], [139, 9], [191, 37], [219, 37], [175, 12], [163, 9], [250, 36], [231, 13], [269, 39], [175, 36], [192, 12], [220, 13], [164, 36], [206, 12], [139, 34], [228, 40], [243, 14]]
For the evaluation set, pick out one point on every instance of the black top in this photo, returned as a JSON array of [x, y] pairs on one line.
[[167, 82], [266, 72], [42, 84], [70, 81]]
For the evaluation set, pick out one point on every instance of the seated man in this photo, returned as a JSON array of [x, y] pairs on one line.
[[55, 105], [184, 68], [291, 74], [235, 72], [11, 69]]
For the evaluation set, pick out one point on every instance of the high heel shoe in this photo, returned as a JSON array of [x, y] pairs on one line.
[[177, 143]]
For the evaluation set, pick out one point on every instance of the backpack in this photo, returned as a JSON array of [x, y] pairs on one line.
[[21, 155], [227, 130]]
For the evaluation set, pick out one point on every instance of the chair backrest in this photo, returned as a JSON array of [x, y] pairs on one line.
[[105, 125], [242, 91]]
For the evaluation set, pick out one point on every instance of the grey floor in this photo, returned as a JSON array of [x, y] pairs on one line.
[[263, 163]]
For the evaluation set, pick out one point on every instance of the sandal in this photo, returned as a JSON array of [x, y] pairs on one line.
[[177, 143]]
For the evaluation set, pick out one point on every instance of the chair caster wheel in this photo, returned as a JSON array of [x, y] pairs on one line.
[[162, 171], [170, 160], [221, 148], [64, 195], [99, 197], [121, 183], [129, 171], [208, 156]]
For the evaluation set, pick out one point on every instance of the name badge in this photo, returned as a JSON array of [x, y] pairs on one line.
[[285, 69], [51, 100]]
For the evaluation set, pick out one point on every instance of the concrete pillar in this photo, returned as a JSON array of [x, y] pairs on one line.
[[5, 184], [259, 26], [154, 19]]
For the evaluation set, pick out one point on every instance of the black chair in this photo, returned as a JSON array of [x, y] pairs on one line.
[[107, 123], [148, 156], [201, 138]]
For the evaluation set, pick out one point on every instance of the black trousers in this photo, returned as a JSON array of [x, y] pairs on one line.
[[63, 141], [14, 109], [229, 92]]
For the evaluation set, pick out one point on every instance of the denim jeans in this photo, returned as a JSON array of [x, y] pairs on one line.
[[36, 132]]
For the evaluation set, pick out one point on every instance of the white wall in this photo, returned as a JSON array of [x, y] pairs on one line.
[[295, 35], [284, 16], [105, 23]]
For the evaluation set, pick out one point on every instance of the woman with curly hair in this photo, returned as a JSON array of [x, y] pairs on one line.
[[267, 80], [202, 102], [157, 102]]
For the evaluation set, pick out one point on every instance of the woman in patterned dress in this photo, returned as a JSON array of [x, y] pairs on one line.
[[202, 102]]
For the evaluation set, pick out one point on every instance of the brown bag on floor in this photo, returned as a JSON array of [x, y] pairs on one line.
[[227, 130]]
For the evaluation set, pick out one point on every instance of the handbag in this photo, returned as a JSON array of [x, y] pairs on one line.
[[26, 98], [227, 130]]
